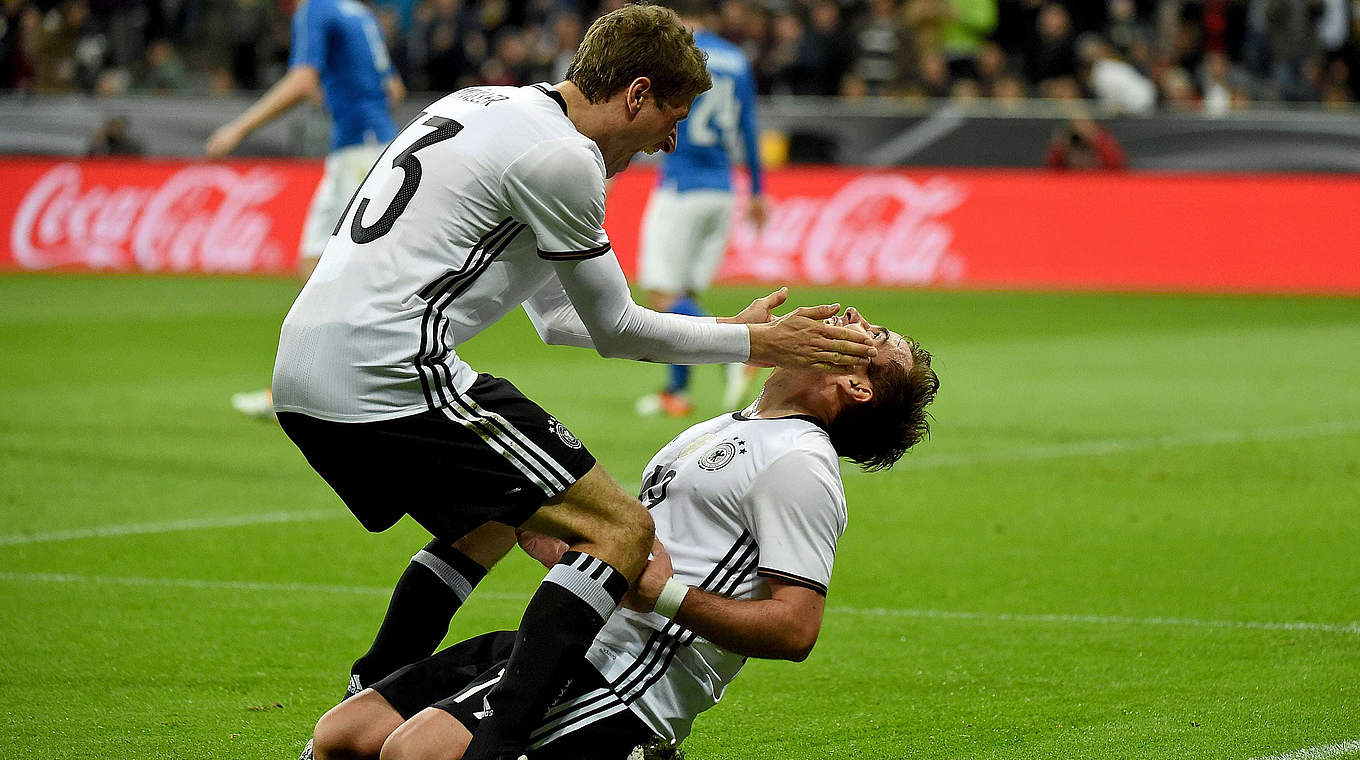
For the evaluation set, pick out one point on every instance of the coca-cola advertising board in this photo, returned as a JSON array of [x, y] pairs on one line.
[[827, 225], [1039, 230], [153, 216]]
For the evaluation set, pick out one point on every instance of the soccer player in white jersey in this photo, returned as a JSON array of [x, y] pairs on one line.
[[748, 509], [494, 197], [337, 52]]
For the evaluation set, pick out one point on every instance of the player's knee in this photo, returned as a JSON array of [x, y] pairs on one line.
[[337, 737], [398, 747], [431, 735], [354, 729]]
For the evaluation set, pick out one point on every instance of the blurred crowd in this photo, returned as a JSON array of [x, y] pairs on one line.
[[1131, 56]]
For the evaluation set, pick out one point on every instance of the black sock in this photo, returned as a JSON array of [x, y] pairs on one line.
[[568, 610], [438, 580]]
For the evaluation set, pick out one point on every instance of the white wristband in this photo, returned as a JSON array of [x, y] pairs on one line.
[[671, 597]]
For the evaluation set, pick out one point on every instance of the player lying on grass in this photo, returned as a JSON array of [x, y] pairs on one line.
[[748, 509]]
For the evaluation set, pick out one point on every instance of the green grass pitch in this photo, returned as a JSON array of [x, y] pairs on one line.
[[1134, 534]]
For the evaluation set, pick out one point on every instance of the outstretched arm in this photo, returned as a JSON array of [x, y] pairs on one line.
[[783, 627], [621, 328], [301, 82]]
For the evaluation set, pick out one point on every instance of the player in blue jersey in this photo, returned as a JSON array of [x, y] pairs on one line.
[[338, 57], [689, 215]]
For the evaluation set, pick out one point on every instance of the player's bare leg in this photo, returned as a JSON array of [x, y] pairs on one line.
[[609, 534], [356, 728], [432, 734]]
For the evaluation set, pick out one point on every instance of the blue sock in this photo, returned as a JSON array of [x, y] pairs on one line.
[[688, 306], [679, 373], [679, 378]]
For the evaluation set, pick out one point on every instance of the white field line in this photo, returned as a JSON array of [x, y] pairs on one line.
[[194, 583], [1125, 445], [1321, 752], [1021, 454], [198, 523], [1001, 617], [1007, 617]]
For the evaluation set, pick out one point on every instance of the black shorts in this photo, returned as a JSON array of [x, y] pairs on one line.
[[585, 721], [491, 455]]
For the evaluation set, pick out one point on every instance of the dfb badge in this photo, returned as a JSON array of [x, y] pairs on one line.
[[717, 457], [561, 430]]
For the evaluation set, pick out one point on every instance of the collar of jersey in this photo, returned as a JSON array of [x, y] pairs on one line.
[[555, 95], [805, 417]]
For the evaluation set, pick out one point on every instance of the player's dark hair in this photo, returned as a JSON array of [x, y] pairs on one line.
[[876, 433], [640, 41]]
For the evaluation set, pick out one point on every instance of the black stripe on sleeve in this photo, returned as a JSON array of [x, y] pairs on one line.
[[796, 580], [589, 253]]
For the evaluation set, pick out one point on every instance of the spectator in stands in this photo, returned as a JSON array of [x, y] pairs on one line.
[[965, 91], [437, 49], [1293, 43], [931, 78], [1224, 86], [510, 64], [1231, 51], [390, 24], [249, 32], [1051, 53], [21, 25], [112, 82], [992, 66], [165, 71], [967, 24], [1008, 91], [1117, 85], [54, 42], [567, 31], [1083, 144], [1130, 36], [1178, 90], [114, 139], [880, 49], [834, 44], [793, 61]]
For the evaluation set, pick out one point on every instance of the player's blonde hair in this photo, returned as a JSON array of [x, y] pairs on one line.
[[640, 41]]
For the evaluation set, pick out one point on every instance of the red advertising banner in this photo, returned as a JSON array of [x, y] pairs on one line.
[[1040, 229], [153, 216], [828, 225]]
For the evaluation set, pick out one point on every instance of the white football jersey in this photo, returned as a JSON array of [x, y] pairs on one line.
[[456, 225], [736, 500]]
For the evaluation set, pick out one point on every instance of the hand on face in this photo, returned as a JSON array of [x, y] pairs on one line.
[[888, 343], [804, 339]]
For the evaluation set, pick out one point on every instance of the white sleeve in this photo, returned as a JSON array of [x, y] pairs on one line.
[[557, 188], [622, 329], [795, 509], [555, 319]]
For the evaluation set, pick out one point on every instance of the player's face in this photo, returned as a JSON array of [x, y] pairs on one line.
[[654, 128], [891, 346]]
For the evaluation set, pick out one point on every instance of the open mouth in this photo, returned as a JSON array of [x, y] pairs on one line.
[[667, 145]]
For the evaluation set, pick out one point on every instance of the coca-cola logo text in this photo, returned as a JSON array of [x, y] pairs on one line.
[[199, 218], [883, 229]]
